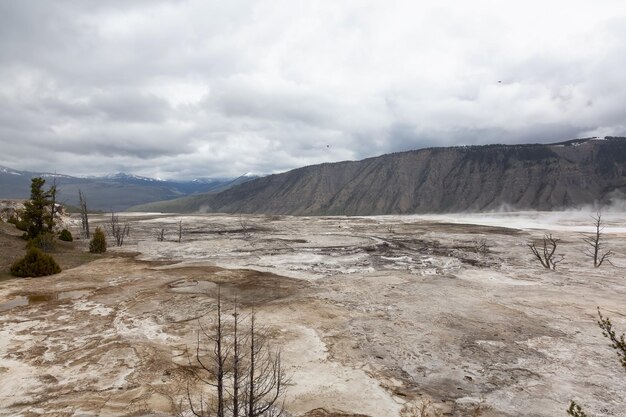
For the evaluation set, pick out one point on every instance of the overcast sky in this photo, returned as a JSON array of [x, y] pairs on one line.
[[184, 89]]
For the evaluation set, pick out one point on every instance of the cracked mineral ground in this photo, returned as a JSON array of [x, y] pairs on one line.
[[372, 314]]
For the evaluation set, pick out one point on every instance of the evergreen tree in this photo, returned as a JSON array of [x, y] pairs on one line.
[[98, 243], [66, 235], [38, 210], [35, 264], [617, 342]]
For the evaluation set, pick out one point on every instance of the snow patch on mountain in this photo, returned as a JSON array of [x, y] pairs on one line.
[[9, 171]]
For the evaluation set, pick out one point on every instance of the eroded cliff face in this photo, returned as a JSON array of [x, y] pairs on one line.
[[543, 177]]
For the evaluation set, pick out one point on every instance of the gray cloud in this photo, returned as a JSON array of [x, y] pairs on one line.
[[192, 88], [131, 107]]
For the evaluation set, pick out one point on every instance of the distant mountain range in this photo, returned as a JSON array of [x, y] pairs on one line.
[[115, 192], [433, 180]]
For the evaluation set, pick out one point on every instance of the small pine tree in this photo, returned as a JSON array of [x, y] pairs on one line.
[[35, 264], [617, 342], [66, 235], [44, 242], [575, 410], [38, 211], [98, 243]]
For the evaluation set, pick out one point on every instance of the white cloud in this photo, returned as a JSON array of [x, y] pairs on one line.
[[201, 88]]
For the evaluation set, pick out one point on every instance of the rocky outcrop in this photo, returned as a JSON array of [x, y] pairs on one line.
[[439, 180]]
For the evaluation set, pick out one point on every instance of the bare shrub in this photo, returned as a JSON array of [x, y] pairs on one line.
[[547, 253], [481, 246], [423, 408], [117, 230], [426, 408], [595, 242], [160, 234], [245, 227]]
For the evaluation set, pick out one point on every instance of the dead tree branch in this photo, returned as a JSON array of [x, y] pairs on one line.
[[546, 255]]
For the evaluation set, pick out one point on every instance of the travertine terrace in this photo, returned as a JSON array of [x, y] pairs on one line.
[[372, 314]]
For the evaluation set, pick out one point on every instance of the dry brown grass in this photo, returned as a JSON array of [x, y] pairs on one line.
[[67, 254]]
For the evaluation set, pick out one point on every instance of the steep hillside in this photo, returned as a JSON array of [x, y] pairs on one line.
[[190, 203], [475, 178]]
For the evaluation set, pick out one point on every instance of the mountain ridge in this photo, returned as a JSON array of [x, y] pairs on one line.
[[114, 192], [433, 180]]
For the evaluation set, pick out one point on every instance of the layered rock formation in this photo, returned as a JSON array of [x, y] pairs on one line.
[[437, 180]]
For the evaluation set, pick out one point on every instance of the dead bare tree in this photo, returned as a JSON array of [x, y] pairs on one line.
[[546, 255], [180, 231], [53, 200], [161, 235], [595, 242], [245, 227], [117, 230], [481, 246], [244, 375], [84, 216], [209, 367], [266, 377], [236, 406]]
